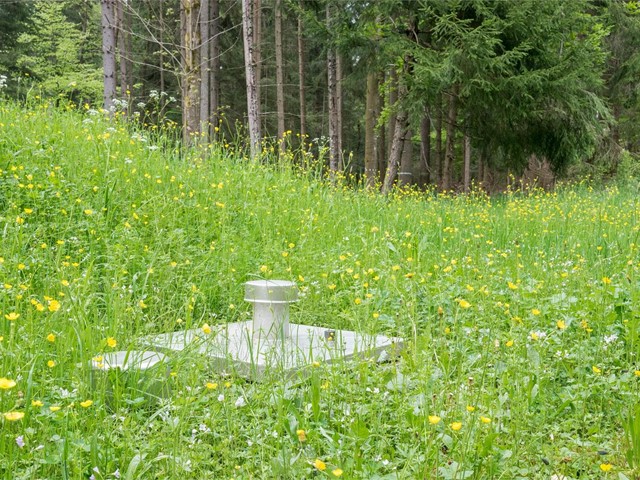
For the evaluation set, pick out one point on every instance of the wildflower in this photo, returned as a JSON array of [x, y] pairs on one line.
[[88, 211], [142, 305], [20, 441], [455, 426], [36, 403], [636, 373], [320, 465], [434, 419], [221, 398], [13, 416], [332, 286], [358, 301], [51, 363], [440, 311], [6, 384], [240, 402], [509, 343], [86, 403], [605, 467], [535, 311], [463, 303], [211, 386], [206, 329], [337, 472], [610, 338], [264, 268], [111, 342], [512, 286], [54, 305], [12, 316], [51, 338], [485, 420], [54, 408], [561, 325], [606, 281], [470, 408], [302, 435], [596, 370]]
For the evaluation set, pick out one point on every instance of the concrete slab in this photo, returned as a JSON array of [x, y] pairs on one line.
[[234, 348]]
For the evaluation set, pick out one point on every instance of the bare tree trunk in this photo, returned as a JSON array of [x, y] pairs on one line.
[[399, 133], [301, 78], [339, 109], [214, 62], [332, 83], [467, 162], [189, 10], [393, 98], [279, 74], [161, 39], [370, 160], [253, 107], [257, 48], [397, 144], [109, 51], [425, 143], [205, 61], [449, 154], [381, 144], [405, 175]]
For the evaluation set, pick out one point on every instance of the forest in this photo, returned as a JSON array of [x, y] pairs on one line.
[[393, 92]]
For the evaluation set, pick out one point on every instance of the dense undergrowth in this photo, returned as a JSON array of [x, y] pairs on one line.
[[520, 315]]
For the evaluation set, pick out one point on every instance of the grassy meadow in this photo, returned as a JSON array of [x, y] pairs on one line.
[[521, 315]]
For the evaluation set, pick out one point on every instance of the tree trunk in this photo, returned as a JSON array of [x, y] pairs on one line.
[[393, 98], [467, 162], [161, 40], [399, 133], [205, 61], [189, 10], [439, 160], [425, 143], [214, 63], [124, 48], [339, 110], [370, 160], [396, 151], [405, 175], [301, 78], [109, 51], [253, 107], [381, 144], [449, 155], [257, 49], [279, 74], [332, 90]]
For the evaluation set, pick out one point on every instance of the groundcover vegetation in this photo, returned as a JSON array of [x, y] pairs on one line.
[[520, 317]]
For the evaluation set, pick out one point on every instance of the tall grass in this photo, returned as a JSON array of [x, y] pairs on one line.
[[520, 315]]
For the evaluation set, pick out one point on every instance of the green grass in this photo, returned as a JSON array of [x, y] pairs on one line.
[[522, 310]]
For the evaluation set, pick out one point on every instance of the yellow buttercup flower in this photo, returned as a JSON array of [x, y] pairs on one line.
[[12, 316], [86, 403], [13, 416], [605, 467], [206, 329], [596, 370], [463, 303], [434, 419], [485, 419], [53, 306], [320, 465], [455, 426], [302, 435], [111, 342], [337, 472], [54, 408], [6, 384], [561, 325], [51, 338]]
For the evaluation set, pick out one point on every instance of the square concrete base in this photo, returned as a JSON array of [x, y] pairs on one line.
[[232, 348]]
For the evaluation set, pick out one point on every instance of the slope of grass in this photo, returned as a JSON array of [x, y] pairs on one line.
[[520, 313]]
